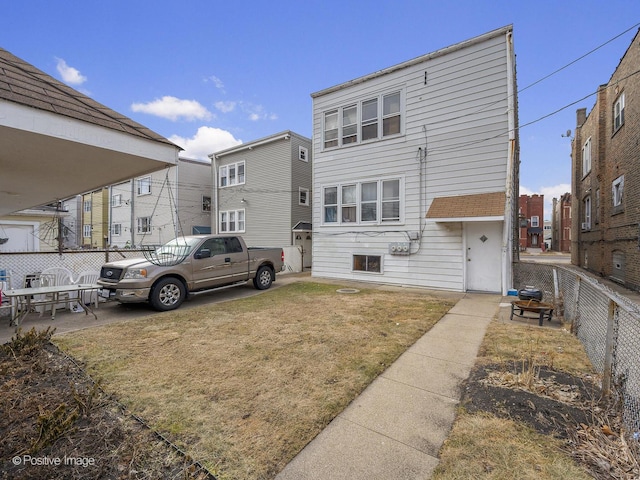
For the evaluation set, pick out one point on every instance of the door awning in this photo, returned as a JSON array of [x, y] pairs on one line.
[[481, 207]]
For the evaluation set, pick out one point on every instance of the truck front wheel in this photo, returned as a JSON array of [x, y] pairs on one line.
[[263, 278], [167, 294]]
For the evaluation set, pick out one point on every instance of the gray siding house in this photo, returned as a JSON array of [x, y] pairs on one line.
[[416, 171], [155, 208], [262, 190]]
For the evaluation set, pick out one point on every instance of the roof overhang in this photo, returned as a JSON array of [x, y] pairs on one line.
[[482, 207], [46, 157]]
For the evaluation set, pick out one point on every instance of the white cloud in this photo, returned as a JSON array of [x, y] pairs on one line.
[[173, 108], [216, 81], [206, 141], [256, 112], [69, 74], [551, 192], [225, 107]]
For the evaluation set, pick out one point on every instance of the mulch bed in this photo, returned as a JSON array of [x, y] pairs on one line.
[[56, 423], [558, 404]]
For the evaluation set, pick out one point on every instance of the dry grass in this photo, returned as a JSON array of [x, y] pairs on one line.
[[549, 347], [483, 446], [245, 385]]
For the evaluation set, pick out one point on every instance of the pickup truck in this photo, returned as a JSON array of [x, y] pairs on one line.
[[189, 265]]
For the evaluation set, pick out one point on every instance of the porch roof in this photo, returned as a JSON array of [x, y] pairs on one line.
[[460, 208]]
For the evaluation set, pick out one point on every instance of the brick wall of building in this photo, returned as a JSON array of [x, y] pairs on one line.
[[531, 206], [610, 245]]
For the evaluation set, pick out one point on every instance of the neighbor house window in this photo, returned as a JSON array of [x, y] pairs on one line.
[[232, 174], [535, 221], [586, 157], [144, 224], [116, 200], [144, 186], [116, 229], [371, 119], [586, 224], [618, 113], [303, 153], [206, 203], [303, 196], [363, 202], [87, 205], [367, 263], [597, 207], [617, 190], [86, 231], [232, 221]]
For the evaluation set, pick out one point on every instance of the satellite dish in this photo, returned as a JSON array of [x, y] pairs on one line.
[[568, 134]]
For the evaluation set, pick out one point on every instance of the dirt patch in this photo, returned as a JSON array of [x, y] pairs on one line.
[[56, 423], [559, 402]]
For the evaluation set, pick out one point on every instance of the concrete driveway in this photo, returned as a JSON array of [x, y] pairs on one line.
[[112, 311]]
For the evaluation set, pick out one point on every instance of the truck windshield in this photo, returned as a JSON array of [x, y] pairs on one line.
[[179, 247]]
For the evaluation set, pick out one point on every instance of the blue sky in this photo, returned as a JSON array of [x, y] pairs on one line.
[[211, 74]]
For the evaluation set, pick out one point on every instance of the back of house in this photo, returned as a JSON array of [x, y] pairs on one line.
[[416, 171]]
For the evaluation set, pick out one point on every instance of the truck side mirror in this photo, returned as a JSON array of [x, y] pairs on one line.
[[203, 253]]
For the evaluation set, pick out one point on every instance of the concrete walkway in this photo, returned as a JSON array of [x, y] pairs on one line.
[[396, 427]]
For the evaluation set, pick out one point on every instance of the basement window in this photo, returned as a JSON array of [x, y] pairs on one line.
[[367, 263]]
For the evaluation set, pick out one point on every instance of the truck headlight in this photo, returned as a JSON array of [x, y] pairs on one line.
[[136, 273]]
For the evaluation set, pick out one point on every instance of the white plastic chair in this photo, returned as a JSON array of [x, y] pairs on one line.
[[88, 277], [58, 276]]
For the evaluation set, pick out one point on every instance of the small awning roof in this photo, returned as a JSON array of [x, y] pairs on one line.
[[534, 230], [468, 208], [302, 227]]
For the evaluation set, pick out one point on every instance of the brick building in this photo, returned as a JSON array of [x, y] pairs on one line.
[[561, 224], [606, 177], [531, 212]]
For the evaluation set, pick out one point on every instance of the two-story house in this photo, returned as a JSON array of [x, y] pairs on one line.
[[95, 219], [606, 177], [416, 171], [157, 207], [262, 190]]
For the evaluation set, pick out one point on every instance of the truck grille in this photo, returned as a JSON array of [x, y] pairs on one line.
[[109, 274]]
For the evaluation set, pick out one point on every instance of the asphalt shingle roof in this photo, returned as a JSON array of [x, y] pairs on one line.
[[22, 83], [463, 206]]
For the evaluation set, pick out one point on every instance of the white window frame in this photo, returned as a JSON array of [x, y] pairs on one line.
[[86, 205], [116, 200], [303, 201], [617, 191], [381, 202], [586, 157], [206, 203], [618, 113], [535, 221], [336, 133], [367, 258], [229, 175], [143, 225], [232, 221], [143, 186], [86, 231], [303, 153], [116, 229]]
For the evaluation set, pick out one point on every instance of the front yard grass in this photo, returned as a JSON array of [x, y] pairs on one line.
[[243, 386]]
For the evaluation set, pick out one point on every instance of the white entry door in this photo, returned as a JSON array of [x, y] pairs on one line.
[[483, 243]]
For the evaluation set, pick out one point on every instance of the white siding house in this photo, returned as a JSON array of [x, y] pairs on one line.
[[415, 171]]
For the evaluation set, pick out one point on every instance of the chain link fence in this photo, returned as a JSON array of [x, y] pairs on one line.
[[607, 324]]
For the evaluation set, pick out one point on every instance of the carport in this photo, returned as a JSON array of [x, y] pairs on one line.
[[56, 142]]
